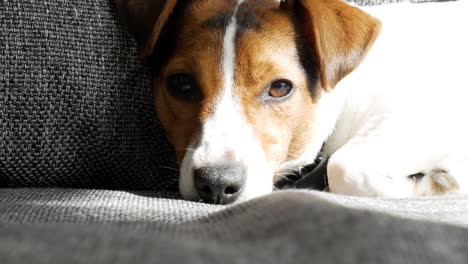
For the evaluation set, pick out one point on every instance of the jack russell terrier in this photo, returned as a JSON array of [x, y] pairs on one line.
[[248, 90]]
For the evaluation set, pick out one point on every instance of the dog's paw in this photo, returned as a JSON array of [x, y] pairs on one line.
[[435, 182]]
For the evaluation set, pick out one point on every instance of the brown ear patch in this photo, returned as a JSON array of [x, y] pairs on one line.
[[164, 14], [340, 35], [146, 20]]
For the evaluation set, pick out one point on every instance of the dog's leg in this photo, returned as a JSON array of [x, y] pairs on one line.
[[448, 176], [377, 163], [435, 182]]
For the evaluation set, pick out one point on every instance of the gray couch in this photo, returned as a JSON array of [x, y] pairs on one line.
[[88, 177]]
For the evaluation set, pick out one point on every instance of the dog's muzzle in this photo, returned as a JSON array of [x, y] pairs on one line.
[[219, 184]]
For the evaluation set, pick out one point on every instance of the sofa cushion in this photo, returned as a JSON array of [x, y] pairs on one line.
[[76, 105], [101, 206], [89, 226]]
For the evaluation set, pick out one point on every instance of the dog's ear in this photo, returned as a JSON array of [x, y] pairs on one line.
[[145, 19], [340, 35]]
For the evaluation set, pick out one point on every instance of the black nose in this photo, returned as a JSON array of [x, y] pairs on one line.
[[219, 184]]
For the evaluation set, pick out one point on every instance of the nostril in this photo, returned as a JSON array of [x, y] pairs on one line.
[[231, 190]]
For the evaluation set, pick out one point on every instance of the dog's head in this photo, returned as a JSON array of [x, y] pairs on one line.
[[244, 88]]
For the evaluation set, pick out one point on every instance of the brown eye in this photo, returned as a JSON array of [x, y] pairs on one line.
[[183, 87], [280, 89]]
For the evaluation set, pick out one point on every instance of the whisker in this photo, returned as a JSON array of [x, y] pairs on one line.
[[275, 51], [282, 174], [169, 168], [284, 178], [265, 64], [173, 161], [188, 149]]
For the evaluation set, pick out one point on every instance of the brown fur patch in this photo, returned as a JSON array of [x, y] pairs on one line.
[[342, 35], [266, 50], [261, 58], [442, 182]]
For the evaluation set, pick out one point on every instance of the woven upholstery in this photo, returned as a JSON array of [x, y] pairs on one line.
[[147, 209], [89, 226], [75, 103]]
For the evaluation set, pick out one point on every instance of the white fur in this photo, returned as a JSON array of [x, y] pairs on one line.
[[226, 137], [401, 112], [328, 109], [406, 105]]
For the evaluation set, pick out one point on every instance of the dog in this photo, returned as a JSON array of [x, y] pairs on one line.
[[248, 90]]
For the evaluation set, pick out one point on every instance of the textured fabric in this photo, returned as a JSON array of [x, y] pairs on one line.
[[87, 206], [88, 226], [76, 105]]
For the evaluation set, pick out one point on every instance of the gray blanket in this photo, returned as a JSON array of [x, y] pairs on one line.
[[89, 226]]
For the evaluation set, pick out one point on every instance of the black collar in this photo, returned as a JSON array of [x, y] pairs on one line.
[[312, 176]]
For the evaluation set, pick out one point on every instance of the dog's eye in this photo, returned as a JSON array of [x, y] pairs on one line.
[[183, 86], [280, 89]]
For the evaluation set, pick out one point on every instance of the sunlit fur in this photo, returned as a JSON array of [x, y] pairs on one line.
[[233, 124], [385, 120]]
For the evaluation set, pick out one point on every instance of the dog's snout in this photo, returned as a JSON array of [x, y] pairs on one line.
[[220, 184]]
